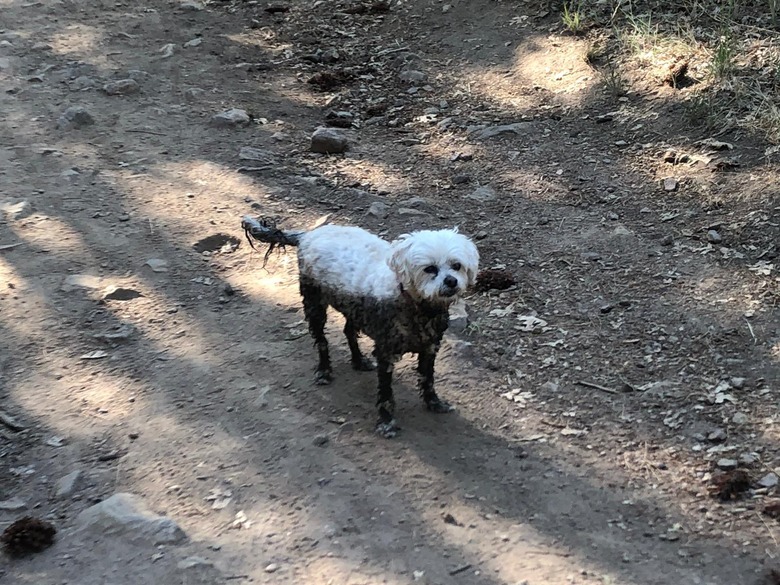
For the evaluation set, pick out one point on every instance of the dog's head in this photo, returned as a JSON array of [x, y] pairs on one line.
[[435, 265]]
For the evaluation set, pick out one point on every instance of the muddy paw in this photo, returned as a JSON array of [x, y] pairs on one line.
[[387, 429], [323, 377], [364, 364], [439, 406]]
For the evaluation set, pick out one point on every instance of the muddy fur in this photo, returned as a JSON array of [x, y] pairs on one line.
[[397, 294]]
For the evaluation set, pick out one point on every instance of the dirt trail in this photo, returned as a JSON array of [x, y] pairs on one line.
[[200, 396]]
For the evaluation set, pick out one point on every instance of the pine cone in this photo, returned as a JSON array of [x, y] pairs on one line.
[[27, 535]]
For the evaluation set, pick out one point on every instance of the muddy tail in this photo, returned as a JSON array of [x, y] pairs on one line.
[[265, 231]]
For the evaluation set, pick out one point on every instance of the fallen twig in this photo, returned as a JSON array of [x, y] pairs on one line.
[[10, 422], [461, 569], [597, 387], [10, 246]]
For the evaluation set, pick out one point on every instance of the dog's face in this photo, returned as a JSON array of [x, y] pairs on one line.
[[435, 265]]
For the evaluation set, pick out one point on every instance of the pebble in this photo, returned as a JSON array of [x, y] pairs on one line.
[[737, 383], [122, 87], [127, 515], [460, 179], [75, 117], [118, 293], [727, 464], [66, 485], [339, 119], [670, 184], [739, 418], [770, 480], [192, 5], [667, 241], [412, 76], [12, 504], [491, 131], [255, 154], [410, 211], [329, 141], [271, 568], [157, 264], [717, 436], [482, 194], [459, 316], [379, 209], [714, 237], [230, 118], [321, 440], [193, 42]]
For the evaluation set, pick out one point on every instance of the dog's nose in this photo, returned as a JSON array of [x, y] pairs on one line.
[[450, 281]]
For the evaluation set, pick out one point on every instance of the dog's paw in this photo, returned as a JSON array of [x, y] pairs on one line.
[[364, 364], [387, 429], [323, 377], [439, 406]]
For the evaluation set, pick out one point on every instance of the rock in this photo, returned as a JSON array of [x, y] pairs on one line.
[[667, 241], [737, 383], [717, 436], [727, 464], [328, 141], [194, 562], [410, 211], [255, 154], [482, 194], [196, 42], [74, 118], [739, 418], [416, 203], [379, 209], [230, 118], [460, 179], [157, 264], [670, 184], [122, 87], [412, 76], [66, 485], [339, 119], [12, 504], [330, 56], [271, 568], [81, 282], [768, 481], [15, 210], [118, 293], [70, 175], [714, 237], [491, 131], [590, 256], [191, 5], [126, 515], [321, 440]]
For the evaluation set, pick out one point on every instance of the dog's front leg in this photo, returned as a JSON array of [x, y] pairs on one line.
[[425, 364], [385, 402]]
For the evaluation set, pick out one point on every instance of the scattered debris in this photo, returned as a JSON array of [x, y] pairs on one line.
[[217, 243]]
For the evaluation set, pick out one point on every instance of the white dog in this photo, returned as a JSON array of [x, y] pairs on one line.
[[396, 293]]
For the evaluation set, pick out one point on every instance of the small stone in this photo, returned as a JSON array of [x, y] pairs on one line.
[[15, 210], [118, 293], [321, 440], [412, 76], [122, 87], [667, 241], [74, 118], [126, 515], [70, 175], [66, 485], [230, 118], [739, 418], [670, 184], [410, 211], [12, 504], [770, 480], [492, 131], [157, 264], [737, 383], [460, 179], [197, 41], [379, 209], [717, 436], [714, 237], [330, 56], [271, 568], [748, 458], [727, 464], [191, 5], [459, 316], [482, 194], [194, 563], [329, 141], [255, 154], [590, 256], [339, 119]]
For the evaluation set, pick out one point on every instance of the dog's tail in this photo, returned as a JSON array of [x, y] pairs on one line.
[[264, 230]]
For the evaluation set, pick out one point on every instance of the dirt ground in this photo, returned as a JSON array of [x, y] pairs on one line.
[[191, 385]]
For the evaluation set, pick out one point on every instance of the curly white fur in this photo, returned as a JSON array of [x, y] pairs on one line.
[[433, 265]]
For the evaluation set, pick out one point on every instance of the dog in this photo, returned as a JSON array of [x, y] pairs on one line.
[[398, 294]]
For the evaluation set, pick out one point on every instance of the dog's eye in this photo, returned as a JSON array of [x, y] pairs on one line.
[[431, 269], [456, 266]]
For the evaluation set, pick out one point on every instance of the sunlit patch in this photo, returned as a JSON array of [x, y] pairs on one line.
[[369, 173], [77, 40], [54, 235]]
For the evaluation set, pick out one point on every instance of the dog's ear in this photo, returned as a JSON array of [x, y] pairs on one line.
[[397, 261], [471, 261]]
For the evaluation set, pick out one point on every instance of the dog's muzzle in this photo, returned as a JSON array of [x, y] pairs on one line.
[[449, 287]]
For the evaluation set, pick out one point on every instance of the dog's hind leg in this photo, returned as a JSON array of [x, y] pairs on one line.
[[384, 401], [425, 371], [316, 311], [359, 361]]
